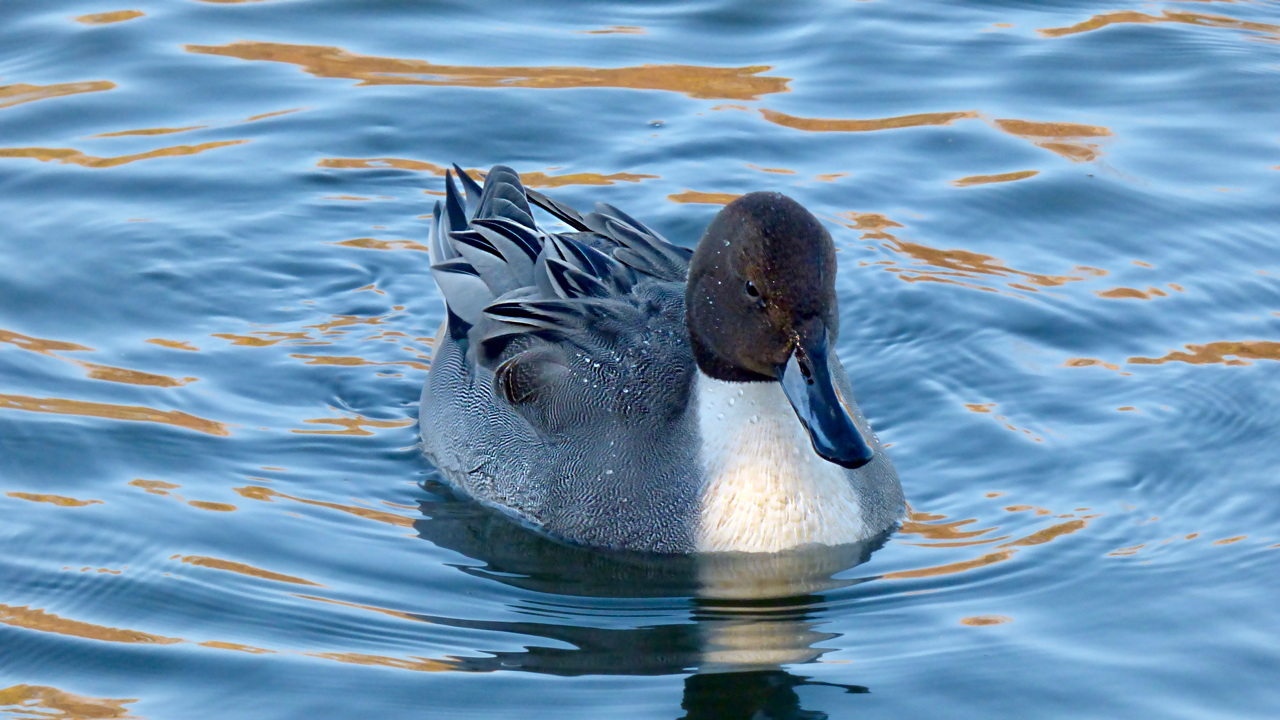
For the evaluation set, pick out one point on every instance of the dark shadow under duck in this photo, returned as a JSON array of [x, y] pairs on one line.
[[737, 623], [615, 390]]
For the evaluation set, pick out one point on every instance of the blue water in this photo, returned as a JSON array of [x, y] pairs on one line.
[[1060, 297]]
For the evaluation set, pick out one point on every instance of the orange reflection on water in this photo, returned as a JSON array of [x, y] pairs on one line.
[[345, 320], [966, 264], [132, 413], [69, 156], [264, 338], [529, 179], [418, 664], [40, 345], [107, 18], [243, 569], [155, 487], [148, 132], [1130, 293], [354, 362], [868, 221], [891, 123], [174, 344], [1004, 421], [1091, 362], [50, 703], [954, 266], [11, 95], [58, 500], [1131, 550], [257, 492], [927, 527], [160, 487], [374, 608], [96, 371], [919, 524], [984, 620], [219, 645], [1035, 129], [1043, 536], [107, 571], [213, 506], [1218, 352], [39, 620], [277, 113], [616, 30], [352, 426], [742, 83], [951, 568], [708, 198], [1168, 16], [30, 619], [131, 377], [775, 171], [367, 243], [542, 180], [381, 162], [988, 179], [1058, 137], [1024, 508]]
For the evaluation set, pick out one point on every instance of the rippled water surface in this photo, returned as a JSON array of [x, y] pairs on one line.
[[1060, 294]]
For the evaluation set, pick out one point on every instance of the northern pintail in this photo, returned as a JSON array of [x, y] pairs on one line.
[[615, 390]]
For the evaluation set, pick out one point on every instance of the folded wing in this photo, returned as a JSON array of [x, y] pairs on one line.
[[502, 276]]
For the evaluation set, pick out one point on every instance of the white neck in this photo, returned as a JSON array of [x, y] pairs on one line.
[[765, 488]]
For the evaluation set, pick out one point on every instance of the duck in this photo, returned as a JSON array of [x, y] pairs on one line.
[[608, 388]]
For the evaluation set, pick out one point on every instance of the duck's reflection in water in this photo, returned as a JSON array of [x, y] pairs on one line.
[[753, 694], [742, 618]]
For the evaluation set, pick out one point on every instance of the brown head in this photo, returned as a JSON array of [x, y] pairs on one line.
[[761, 307]]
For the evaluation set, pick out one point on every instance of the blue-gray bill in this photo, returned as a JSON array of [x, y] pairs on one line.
[[806, 381]]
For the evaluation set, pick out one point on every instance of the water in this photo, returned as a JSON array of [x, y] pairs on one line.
[[1060, 295]]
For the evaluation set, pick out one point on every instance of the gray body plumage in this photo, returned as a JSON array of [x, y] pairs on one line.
[[563, 389]]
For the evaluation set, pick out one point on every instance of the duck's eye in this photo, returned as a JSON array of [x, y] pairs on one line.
[[751, 289]]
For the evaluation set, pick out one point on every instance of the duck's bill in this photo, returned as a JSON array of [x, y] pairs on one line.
[[806, 380]]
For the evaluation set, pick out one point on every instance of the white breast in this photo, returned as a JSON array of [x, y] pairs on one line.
[[766, 489]]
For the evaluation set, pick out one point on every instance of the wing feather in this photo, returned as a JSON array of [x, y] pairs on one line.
[[502, 277]]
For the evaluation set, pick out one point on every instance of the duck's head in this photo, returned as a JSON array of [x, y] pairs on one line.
[[761, 307]]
